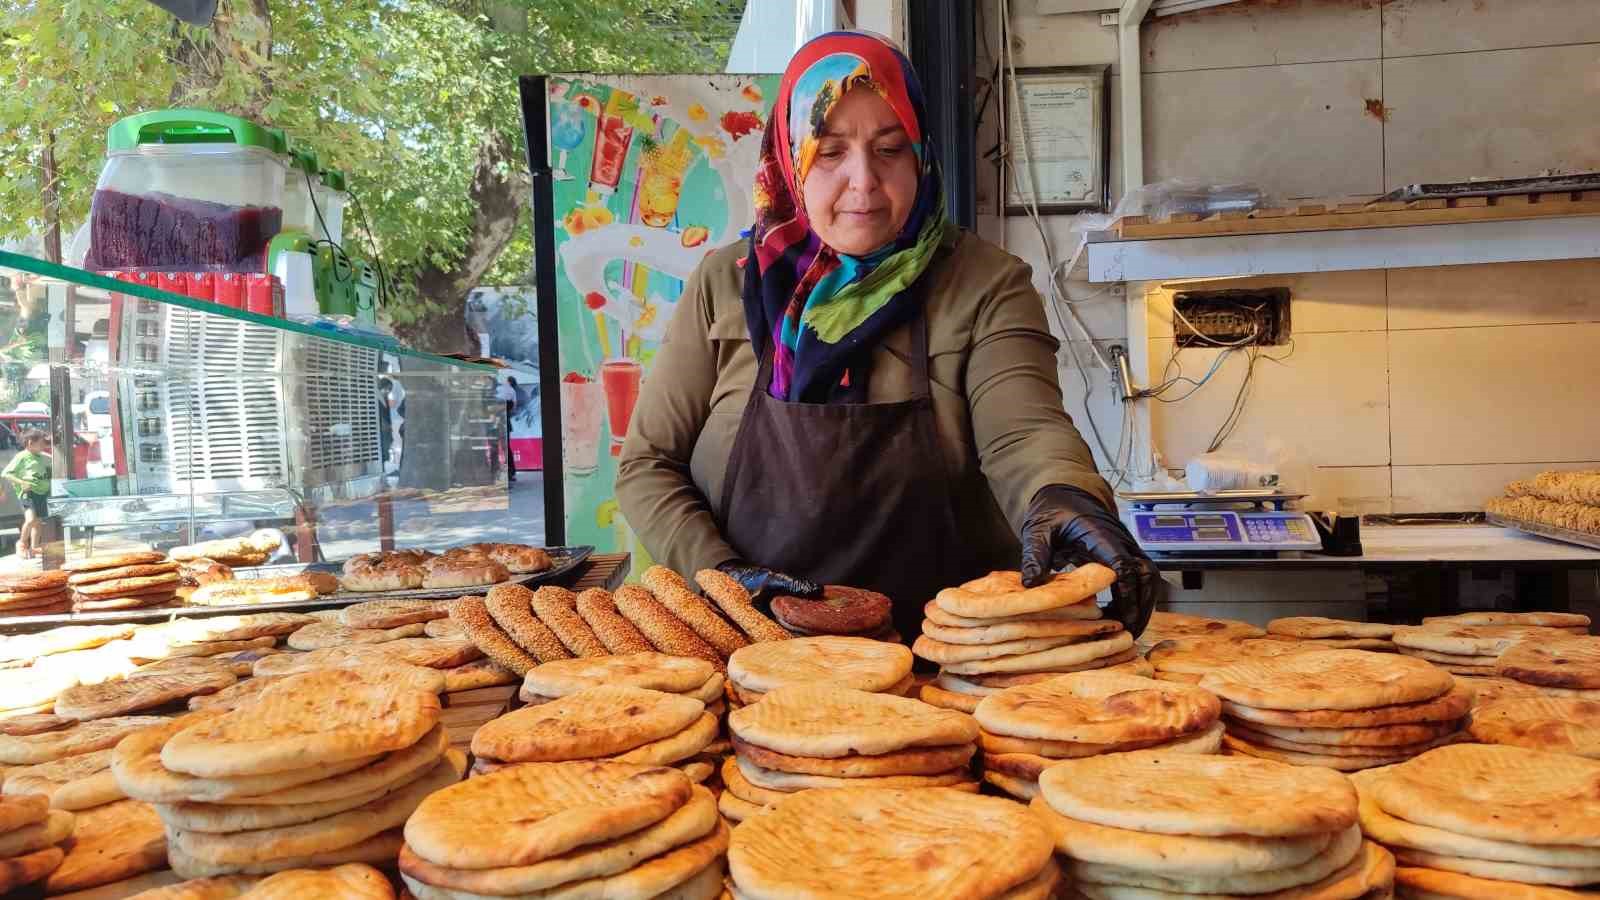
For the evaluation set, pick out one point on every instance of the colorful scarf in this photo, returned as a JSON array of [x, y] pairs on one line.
[[821, 311]]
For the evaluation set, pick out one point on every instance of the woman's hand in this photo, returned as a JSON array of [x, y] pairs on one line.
[[1065, 526], [763, 582]]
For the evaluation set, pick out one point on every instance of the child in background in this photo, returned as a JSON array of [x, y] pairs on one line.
[[29, 475]]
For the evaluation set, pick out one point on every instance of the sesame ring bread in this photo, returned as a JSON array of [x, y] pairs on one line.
[[556, 607], [510, 606], [662, 628], [674, 594], [473, 615], [735, 603], [599, 611]]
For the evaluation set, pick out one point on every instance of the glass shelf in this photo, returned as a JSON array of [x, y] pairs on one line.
[[190, 421]]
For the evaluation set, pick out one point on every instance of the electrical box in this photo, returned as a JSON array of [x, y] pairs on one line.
[[1234, 317]]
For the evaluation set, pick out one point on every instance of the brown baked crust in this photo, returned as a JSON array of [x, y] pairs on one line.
[[44, 608], [393, 613], [36, 582], [140, 600], [556, 607], [599, 611], [734, 601], [101, 575], [661, 628], [840, 610], [115, 561], [204, 571], [674, 594], [520, 559], [462, 571], [28, 597], [510, 607], [474, 617], [265, 590], [122, 587], [915, 761]]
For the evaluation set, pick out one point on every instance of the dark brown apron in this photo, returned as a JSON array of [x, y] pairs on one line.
[[853, 494]]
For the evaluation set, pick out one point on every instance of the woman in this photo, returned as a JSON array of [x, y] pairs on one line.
[[864, 395]]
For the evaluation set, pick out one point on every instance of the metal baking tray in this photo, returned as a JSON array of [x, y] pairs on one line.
[[564, 560], [1555, 533]]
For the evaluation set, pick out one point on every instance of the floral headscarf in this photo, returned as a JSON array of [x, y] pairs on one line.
[[822, 311]]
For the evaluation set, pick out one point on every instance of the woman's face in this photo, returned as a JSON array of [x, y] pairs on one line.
[[863, 182]]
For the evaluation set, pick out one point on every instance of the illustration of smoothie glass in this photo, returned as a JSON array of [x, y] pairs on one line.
[[620, 379], [661, 180], [611, 142], [582, 406], [566, 134]]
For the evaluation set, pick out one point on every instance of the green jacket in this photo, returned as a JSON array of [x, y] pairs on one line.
[[32, 469], [997, 399]]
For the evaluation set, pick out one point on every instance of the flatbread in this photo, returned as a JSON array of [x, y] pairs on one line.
[[590, 724], [1020, 788], [335, 831], [1096, 707], [28, 868], [1003, 680], [1399, 833], [1569, 662], [82, 737], [941, 652], [772, 779], [923, 761], [379, 850], [934, 695], [1470, 640], [480, 673], [1197, 656], [352, 881], [29, 647], [881, 843], [1336, 679], [1077, 612], [1450, 659], [110, 843], [1048, 660], [1501, 871], [20, 812], [832, 722], [1170, 793], [1428, 884], [445, 629], [1341, 851], [1168, 625], [369, 663], [393, 613], [114, 698], [1493, 690], [318, 717], [1558, 724], [1372, 739], [1500, 793], [321, 635], [1066, 589], [47, 832], [1371, 871], [1170, 854], [693, 820], [112, 561], [1235, 744], [525, 814], [38, 723], [651, 671], [1376, 645], [850, 662], [1450, 707], [1536, 619], [34, 685], [1318, 627], [1014, 631]]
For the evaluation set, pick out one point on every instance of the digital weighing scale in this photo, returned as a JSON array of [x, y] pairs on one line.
[[1250, 522]]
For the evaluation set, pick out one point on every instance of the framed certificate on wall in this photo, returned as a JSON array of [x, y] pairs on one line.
[[1058, 140]]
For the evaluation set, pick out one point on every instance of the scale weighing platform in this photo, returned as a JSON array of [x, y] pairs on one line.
[[1223, 523]]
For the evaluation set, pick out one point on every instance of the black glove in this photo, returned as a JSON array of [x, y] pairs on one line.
[[764, 583], [1068, 525]]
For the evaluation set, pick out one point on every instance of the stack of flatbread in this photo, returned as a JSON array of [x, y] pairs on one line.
[[853, 662], [351, 881], [31, 834], [612, 721], [34, 593], [1029, 728], [1577, 623], [1343, 709], [822, 736], [1187, 660], [1333, 634], [572, 829], [317, 770], [1165, 626], [1555, 724], [1564, 666], [122, 581], [993, 633], [1159, 826], [1470, 650], [1485, 822], [872, 843]]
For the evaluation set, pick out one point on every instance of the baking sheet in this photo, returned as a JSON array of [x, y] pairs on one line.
[[564, 560], [1565, 535]]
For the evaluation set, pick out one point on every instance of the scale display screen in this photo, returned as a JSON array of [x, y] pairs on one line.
[[1223, 531]]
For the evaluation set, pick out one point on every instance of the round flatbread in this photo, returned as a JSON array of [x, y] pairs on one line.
[[122, 587], [525, 814], [1495, 792], [590, 724], [1371, 739], [671, 750], [694, 820], [1370, 872], [378, 850], [1001, 680], [1048, 660], [650, 671], [325, 716], [1168, 625], [840, 610], [1077, 612], [47, 832], [978, 600], [322, 635], [989, 635], [1197, 656], [850, 662], [832, 722], [1237, 745], [36, 582], [1568, 662], [1520, 873], [25, 648], [480, 673], [1536, 619], [1398, 833], [1448, 660], [1020, 788], [934, 695], [1470, 640], [1450, 707], [1206, 741], [143, 571], [115, 560], [1174, 854], [369, 662], [1558, 724], [938, 651], [1099, 708], [1177, 793], [1492, 690], [1335, 679], [1434, 884], [352, 881], [877, 843], [1318, 627], [446, 629], [922, 761], [393, 613], [22, 811], [29, 868], [1344, 848], [79, 738], [735, 809], [236, 628], [114, 698]]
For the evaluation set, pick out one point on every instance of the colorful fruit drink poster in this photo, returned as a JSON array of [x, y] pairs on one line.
[[651, 173]]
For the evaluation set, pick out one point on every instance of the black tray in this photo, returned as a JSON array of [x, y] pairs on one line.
[[563, 559]]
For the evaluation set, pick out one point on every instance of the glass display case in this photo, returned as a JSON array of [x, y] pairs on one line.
[[173, 420]]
